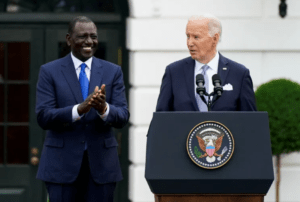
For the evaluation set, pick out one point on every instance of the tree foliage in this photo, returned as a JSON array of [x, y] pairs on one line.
[[281, 99]]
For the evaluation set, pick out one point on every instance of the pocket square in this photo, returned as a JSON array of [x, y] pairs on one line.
[[227, 87]]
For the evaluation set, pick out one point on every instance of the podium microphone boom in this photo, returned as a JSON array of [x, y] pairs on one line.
[[218, 89], [200, 84]]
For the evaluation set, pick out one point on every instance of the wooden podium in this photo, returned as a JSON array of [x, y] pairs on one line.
[[173, 177]]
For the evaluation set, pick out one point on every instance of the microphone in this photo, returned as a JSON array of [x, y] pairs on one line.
[[218, 89], [200, 84]]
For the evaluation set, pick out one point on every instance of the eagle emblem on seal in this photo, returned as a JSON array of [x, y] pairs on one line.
[[210, 142]]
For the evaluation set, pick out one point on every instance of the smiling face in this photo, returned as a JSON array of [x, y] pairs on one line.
[[201, 45], [83, 40]]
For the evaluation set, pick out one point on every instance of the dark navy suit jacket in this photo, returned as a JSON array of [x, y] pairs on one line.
[[58, 90], [177, 92]]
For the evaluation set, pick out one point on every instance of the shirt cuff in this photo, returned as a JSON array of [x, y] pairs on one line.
[[104, 116], [75, 115]]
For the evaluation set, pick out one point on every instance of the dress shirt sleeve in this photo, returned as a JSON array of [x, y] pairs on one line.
[[75, 115], [104, 116]]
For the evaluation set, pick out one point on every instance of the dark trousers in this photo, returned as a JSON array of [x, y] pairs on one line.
[[84, 189]]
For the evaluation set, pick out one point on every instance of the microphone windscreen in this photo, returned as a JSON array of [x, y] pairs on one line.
[[215, 78], [200, 78]]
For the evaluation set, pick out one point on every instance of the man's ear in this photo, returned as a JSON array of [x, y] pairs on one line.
[[68, 37], [216, 38]]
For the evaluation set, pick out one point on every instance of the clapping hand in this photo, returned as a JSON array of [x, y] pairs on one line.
[[98, 100]]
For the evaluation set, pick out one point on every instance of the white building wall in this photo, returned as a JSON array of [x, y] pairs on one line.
[[253, 34]]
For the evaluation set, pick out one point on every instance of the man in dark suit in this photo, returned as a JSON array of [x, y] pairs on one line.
[[178, 88], [79, 161]]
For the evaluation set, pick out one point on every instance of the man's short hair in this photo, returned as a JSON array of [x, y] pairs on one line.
[[214, 24], [77, 19]]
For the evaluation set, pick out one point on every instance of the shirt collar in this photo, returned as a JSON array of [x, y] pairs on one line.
[[213, 64], [78, 62]]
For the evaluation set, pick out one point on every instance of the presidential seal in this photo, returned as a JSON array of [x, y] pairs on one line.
[[210, 145]]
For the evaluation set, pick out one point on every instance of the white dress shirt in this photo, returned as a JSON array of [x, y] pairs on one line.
[[77, 63], [213, 69]]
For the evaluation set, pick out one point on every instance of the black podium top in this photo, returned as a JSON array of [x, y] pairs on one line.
[[169, 169]]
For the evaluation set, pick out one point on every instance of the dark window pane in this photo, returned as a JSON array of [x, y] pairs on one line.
[[96, 6], [18, 57], [1, 145], [1, 62], [22, 6], [25, 6], [17, 144], [18, 103], [1, 102], [101, 52], [84, 6], [64, 50]]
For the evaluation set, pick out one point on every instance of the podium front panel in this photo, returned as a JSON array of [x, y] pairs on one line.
[[169, 169]]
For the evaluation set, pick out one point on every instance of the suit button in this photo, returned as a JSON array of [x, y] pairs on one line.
[[86, 125], [83, 142]]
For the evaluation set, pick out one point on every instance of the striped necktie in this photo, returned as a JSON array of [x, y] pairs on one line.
[[201, 105]]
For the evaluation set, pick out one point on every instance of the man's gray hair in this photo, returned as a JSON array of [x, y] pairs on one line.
[[214, 24]]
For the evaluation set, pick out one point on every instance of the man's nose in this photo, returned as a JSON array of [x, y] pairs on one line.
[[88, 40], [190, 42]]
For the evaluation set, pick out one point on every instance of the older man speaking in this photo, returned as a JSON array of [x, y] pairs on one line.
[[178, 88]]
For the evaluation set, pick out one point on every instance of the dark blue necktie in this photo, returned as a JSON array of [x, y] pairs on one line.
[[84, 82]]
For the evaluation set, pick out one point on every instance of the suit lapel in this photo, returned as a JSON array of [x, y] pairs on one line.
[[223, 68], [96, 75], [189, 70], [69, 72]]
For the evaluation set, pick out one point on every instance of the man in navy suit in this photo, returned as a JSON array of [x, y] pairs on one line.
[[79, 161], [178, 88]]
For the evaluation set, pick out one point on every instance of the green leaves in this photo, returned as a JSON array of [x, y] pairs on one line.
[[281, 99], [197, 152]]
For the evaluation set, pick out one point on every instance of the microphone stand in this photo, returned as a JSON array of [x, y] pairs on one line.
[[216, 94], [210, 101]]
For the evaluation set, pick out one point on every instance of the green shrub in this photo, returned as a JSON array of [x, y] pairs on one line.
[[281, 99]]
